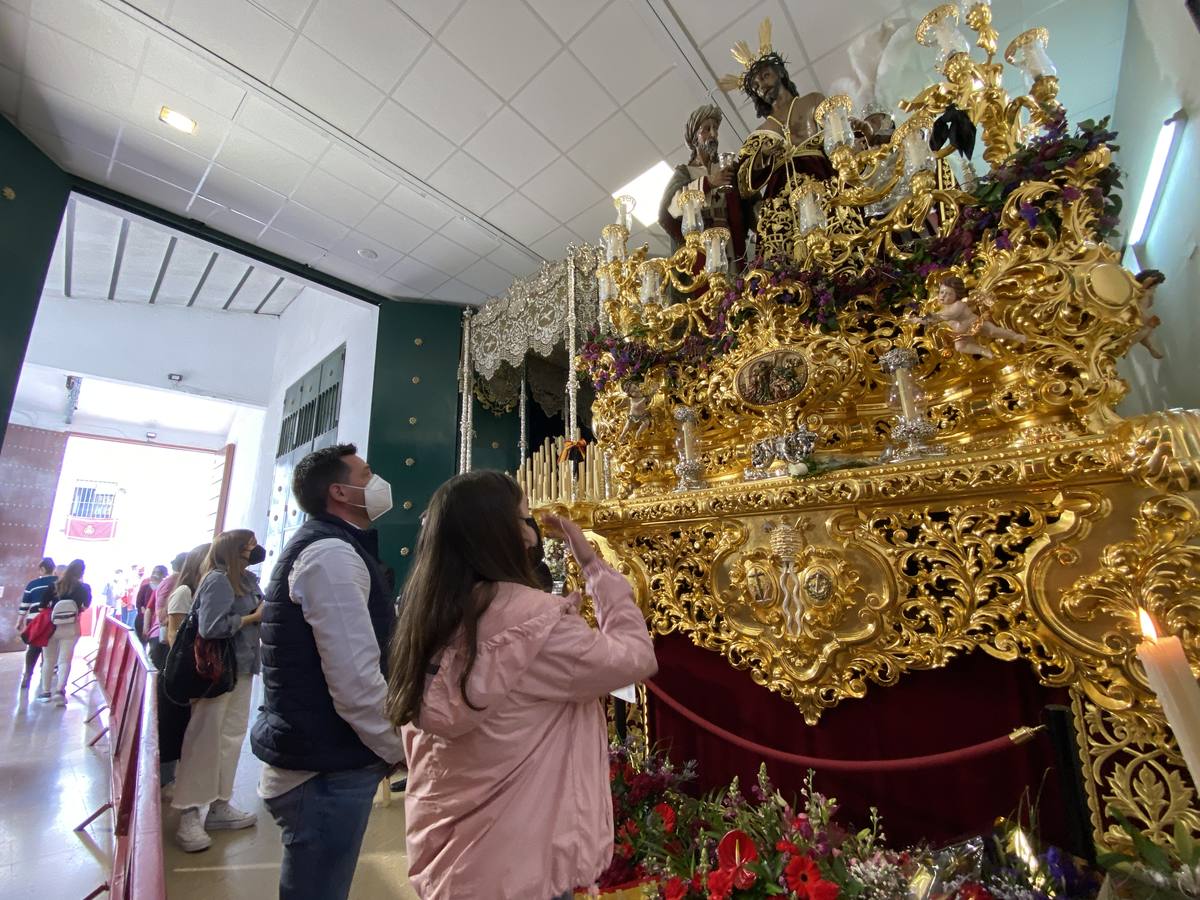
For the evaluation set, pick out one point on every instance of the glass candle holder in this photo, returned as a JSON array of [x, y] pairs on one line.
[[809, 215], [604, 283], [1028, 53], [625, 205], [651, 273], [716, 256], [693, 219], [917, 155], [940, 29], [614, 237], [833, 115]]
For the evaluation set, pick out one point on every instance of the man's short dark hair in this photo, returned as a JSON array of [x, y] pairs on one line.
[[46, 565], [317, 472]]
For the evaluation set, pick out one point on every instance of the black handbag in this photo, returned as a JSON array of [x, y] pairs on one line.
[[198, 668]]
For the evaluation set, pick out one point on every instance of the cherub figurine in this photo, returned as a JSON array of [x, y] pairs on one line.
[[637, 418], [1149, 279], [967, 322]]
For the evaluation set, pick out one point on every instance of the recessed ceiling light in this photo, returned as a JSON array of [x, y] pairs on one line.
[[151, 435], [647, 189], [177, 120], [367, 253]]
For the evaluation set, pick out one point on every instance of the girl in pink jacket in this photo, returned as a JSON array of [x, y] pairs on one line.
[[497, 686]]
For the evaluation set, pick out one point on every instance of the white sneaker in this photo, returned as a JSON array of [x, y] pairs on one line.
[[224, 816], [191, 835]]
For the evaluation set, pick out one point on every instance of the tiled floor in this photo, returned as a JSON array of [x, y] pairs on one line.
[[50, 780]]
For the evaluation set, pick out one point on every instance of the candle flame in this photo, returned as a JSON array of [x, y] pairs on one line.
[[1149, 632]]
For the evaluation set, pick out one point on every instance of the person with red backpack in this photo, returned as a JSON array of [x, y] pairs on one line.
[[31, 602]]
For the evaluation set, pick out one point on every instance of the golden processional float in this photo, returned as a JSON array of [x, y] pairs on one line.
[[891, 438]]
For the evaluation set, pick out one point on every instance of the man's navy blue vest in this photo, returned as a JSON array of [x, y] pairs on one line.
[[297, 726]]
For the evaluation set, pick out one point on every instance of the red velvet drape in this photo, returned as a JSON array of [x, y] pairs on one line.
[[973, 699]]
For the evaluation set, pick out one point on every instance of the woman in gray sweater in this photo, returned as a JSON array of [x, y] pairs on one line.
[[228, 604]]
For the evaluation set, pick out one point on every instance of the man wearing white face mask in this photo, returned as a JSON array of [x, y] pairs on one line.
[[326, 621]]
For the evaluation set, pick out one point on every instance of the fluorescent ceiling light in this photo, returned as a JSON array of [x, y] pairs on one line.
[[647, 189], [1159, 164], [177, 120]]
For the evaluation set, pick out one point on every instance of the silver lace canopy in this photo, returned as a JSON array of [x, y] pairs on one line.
[[531, 318]]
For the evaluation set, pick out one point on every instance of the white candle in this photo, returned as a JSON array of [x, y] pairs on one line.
[[1171, 679]]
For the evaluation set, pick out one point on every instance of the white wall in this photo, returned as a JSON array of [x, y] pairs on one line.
[[313, 326], [1160, 73], [225, 355], [247, 497]]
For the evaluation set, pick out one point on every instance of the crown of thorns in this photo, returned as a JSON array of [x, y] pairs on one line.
[[752, 62]]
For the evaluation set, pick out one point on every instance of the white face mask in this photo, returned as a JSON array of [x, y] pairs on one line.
[[377, 497]]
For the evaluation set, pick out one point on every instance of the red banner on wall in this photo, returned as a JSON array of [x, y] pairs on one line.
[[82, 529]]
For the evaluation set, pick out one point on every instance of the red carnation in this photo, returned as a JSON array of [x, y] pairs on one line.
[[675, 889], [720, 884], [667, 815]]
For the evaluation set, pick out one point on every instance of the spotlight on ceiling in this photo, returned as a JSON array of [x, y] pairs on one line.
[[367, 253], [177, 120], [151, 435], [174, 376]]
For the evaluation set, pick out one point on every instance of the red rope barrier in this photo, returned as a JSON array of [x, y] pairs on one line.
[[837, 765]]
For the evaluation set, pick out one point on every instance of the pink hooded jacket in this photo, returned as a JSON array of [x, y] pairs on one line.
[[512, 802]]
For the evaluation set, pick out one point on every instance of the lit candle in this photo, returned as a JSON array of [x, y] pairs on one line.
[[904, 388], [1172, 681]]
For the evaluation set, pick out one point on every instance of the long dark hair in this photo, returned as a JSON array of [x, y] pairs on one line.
[[762, 108], [195, 567], [471, 540], [70, 580]]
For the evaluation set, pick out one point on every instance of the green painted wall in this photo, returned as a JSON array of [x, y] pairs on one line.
[[28, 228], [501, 431], [431, 440]]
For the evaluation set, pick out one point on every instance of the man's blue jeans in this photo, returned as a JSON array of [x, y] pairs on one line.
[[323, 823]]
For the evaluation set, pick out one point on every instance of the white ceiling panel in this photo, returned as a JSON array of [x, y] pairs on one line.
[[705, 20], [564, 123], [400, 136], [348, 249], [276, 124], [309, 225], [290, 11], [487, 277], [328, 87], [77, 69], [320, 190], [469, 235], [589, 222], [97, 232], [145, 249], [235, 224], [237, 192], [418, 277], [615, 153], [290, 247], [149, 97], [419, 206], [567, 18], [391, 227], [345, 270], [163, 159], [373, 37], [148, 188], [506, 63], [621, 51], [274, 304], [235, 30], [262, 161], [554, 245], [454, 291], [255, 290], [444, 255], [354, 170], [465, 180], [100, 27], [14, 26], [443, 92], [49, 110], [662, 110], [430, 14], [514, 262], [521, 218], [563, 190], [513, 148], [172, 65]]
